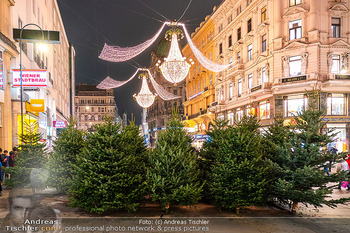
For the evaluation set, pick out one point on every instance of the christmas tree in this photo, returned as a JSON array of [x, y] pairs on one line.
[[30, 165], [110, 171], [173, 167], [67, 146], [238, 174], [301, 160]]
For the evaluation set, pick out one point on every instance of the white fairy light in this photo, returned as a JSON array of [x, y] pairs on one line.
[[119, 54], [174, 68], [160, 90], [109, 83], [207, 63], [145, 97]]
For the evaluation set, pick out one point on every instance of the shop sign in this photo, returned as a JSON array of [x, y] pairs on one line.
[[60, 124], [293, 79], [35, 106], [255, 88], [346, 76], [31, 78]]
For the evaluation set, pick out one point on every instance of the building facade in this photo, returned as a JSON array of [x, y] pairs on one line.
[[200, 90], [58, 60], [160, 112], [281, 51], [8, 54], [92, 104]]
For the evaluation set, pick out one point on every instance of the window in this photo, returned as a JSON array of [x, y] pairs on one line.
[[230, 117], [221, 93], [230, 41], [249, 25], [211, 79], [239, 33], [230, 61], [335, 64], [336, 27], [250, 81], [1, 72], [239, 87], [263, 43], [249, 1], [294, 2], [263, 14], [336, 104], [250, 52], [220, 27], [230, 91], [229, 19], [264, 110], [250, 111], [264, 78], [294, 65], [239, 114], [295, 29], [294, 104], [175, 92], [239, 55], [239, 10], [220, 48], [204, 83]]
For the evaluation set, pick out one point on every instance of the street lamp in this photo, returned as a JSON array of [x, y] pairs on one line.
[[20, 64]]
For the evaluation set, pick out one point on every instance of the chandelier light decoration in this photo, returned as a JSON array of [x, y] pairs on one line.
[[145, 97], [164, 94], [119, 54], [109, 83], [174, 68]]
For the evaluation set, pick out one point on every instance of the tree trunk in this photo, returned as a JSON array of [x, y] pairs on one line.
[[294, 207], [167, 207]]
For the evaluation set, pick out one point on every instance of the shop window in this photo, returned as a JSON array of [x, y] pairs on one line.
[[294, 2], [263, 14], [230, 91], [249, 25], [295, 29], [263, 43], [230, 118], [293, 105], [221, 117], [264, 78], [239, 33], [336, 27], [250, 81], [250, 111], [340, 140], [239, 114], [336, 104], [294, 65], [335, 64], [239, 87], [250, 52], [264, 110]]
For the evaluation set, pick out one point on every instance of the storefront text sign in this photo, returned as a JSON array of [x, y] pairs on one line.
[[60, 124], [255, 88], [293, 79], [31, 78], [342, 76]]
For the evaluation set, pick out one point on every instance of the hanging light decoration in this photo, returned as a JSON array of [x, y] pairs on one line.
[[145, 98], [174, 68]]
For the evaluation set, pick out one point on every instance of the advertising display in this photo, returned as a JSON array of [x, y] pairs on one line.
[[31, 78], [35, 106], [60, 124]]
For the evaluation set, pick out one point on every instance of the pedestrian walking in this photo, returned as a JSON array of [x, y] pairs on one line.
[[2, 158], [334, 152], [343, 166], [5, 163]]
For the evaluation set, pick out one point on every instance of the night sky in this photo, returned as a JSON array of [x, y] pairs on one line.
[[91, 23]]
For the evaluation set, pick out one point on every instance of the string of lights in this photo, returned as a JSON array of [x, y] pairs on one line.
[[118, 54], [160, 90], [109, 83], [207, 63]]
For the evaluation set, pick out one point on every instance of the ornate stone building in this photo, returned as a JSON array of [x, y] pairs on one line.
[[200, 84], [160, 112], [280, 50], [92, 104]]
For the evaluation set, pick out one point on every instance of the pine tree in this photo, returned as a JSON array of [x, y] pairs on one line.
[[30, 165], [110, 170], [239, 172], [300, 161], [173, 168], [67, 146]]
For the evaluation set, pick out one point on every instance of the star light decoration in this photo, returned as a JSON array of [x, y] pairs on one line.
[[174, 68], [145, 98]]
